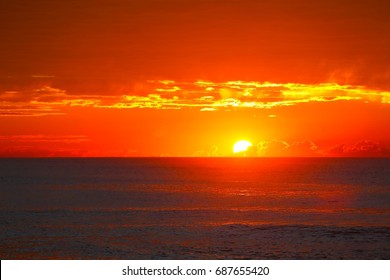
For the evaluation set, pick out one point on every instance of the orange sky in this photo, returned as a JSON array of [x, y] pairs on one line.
[[190, 78]]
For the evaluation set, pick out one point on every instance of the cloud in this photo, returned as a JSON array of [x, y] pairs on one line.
[[44, 100], [363, 148], [45, 93], [42, 76], [281, 148], [306, 148], [15, 152], [38, 145], [9, 109], [303, 149], [210, 96], [203, 95], [272, 148], [35, 138], [212, 151]]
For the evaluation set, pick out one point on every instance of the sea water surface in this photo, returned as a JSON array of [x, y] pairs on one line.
[[195, 208]]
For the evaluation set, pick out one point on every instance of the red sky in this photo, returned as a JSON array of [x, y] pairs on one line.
[[190, 78]]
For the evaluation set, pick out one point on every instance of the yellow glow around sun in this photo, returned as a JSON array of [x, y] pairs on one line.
[[241, 146]]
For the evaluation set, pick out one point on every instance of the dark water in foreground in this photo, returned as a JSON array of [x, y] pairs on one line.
[[191, 208]]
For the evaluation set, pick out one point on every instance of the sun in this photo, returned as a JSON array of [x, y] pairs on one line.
[[241, 146]]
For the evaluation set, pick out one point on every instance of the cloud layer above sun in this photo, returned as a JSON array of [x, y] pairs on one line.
[[202, 95]]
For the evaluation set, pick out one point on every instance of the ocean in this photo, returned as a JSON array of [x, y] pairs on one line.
[[195, 208]]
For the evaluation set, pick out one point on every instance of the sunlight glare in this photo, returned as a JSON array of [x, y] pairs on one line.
[[241, 146]]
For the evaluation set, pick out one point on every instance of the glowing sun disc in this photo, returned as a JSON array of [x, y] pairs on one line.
[[241, 146]]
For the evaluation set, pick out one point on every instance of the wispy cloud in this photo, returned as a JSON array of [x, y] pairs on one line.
[[44, 100], [39, 145], [36, 76], [38, 138]]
